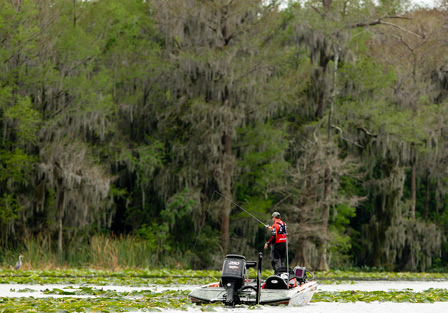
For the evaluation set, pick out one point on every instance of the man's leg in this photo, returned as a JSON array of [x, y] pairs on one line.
[[272, 257], [282, 252], [276, 260], [278, 264]]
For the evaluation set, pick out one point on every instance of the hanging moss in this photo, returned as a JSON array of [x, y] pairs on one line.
[[71, 171]]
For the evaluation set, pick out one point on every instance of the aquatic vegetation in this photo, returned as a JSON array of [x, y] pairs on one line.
[[147, 277], [104, 281], [92, 291], [379, 275], [85, 298], [427, 296], [135, 278], [109, 302], [145, 300], [147, 273]]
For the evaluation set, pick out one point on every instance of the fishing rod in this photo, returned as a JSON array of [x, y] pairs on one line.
[[287, 258], [265, 225]]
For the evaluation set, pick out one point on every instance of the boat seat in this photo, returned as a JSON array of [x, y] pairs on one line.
[[275, 282], [284, 269]]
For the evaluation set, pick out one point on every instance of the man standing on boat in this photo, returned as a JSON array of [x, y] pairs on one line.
[[277, 242]]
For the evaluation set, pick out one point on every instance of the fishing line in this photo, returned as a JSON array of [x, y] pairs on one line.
[[208, 207], [205, 221], [242, 208]]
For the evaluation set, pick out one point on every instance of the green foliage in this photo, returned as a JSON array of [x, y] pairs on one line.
[[9, 212], [258, 206], [369, 77], [263, 160], [178, 207], [341, 215], [340, 243], [205, 247], [5, 97], [15, 166], [155, 234], [144, 160], [27, 120]]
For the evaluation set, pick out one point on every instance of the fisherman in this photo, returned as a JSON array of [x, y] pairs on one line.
[[277, 242]]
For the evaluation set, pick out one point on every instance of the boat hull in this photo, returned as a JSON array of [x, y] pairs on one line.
[[297, 296]]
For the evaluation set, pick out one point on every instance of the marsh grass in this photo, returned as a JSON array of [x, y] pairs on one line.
[[99, 252]]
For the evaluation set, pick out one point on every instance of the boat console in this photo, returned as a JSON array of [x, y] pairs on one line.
[[285, 278]]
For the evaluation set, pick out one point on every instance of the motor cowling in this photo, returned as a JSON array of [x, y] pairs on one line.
[[232, 276]]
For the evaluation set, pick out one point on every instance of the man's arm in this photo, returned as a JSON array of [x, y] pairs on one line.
[[273, 237]]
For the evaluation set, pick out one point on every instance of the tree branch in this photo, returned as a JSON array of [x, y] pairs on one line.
[[317, 11], [366, 131], [346, 139], [403, 29], [380, 21], [399, 38]]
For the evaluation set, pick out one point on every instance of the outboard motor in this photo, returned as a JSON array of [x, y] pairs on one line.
[[232, 277]]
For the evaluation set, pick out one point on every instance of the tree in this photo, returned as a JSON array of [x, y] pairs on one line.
[[19, 119], [332, 32], [217, 49]]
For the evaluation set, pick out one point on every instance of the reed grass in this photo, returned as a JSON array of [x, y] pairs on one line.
[[99, 252]]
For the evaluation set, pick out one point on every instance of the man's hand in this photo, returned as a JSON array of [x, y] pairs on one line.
[[265, 245]]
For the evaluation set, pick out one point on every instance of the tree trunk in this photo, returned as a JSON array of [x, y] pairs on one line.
[[327, 4], [60, 216], [321, 98], [427, 191], [320, 105], [300, 258], [413, 190], [323, 265], [227, 180], [74, 13]]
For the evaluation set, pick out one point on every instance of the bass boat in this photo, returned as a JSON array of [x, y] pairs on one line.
[[288, 287]]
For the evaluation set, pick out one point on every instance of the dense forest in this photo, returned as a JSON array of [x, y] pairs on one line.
[[130, 123]]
